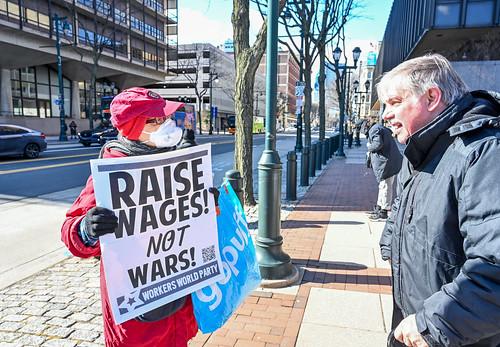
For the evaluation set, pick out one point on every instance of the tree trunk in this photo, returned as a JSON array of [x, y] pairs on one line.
[[247, 60], [306, 116], [322, 77], [200, 103], [244, 127]]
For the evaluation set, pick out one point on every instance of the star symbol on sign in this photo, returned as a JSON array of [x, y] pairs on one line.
[[131, 301]]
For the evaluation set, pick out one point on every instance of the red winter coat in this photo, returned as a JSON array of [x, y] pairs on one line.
[[173, 331]]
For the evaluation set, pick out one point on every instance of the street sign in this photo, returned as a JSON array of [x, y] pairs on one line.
[[299, 88], [57, 102]]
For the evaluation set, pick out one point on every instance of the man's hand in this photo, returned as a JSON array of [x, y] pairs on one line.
[[100, 221], [407, 333], [216, 194]]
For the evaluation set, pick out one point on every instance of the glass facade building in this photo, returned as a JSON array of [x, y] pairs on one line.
[[461, 30], [133, 37]]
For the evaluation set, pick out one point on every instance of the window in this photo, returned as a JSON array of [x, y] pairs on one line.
[[28, 90], [29, 107], [9, 130], [447, 15], [18, 108], [3, 7], [206, 54], [479, 13], [137, 53], [38, 99], [16, 89], [191, 55]]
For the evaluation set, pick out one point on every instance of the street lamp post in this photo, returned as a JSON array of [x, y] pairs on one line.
[[274, 263], [212, 76], [360, 96], [298, 141], [62, 132], [341, 84]]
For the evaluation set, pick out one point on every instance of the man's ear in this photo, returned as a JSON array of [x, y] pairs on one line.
[[434, 99]]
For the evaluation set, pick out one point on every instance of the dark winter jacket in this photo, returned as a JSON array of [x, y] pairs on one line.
[[444, 235], [384, 153]]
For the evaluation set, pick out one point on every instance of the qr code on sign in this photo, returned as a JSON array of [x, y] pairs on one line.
[[208, 253]]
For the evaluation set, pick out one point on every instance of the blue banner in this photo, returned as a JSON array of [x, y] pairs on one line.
[[214, 305]]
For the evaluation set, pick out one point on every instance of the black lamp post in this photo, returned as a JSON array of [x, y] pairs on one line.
[[274, 263], [367, 88], [212, 77], [360, 96], [60, 101], [342, 84]]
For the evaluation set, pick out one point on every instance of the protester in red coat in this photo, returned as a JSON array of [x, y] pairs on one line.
[[142, 118]]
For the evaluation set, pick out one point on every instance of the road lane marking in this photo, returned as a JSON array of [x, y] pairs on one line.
[[44, 159], [42, 167]]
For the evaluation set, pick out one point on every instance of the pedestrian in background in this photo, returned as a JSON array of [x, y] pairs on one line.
[[385, 160], [143, 120], [72, 129], [443, 237]]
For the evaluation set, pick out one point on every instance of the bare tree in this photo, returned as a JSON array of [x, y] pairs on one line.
[[317, 22], [247, 59], [97, 35], [192, 69]]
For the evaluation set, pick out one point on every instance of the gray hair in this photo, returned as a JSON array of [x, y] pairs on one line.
[[417, 75]]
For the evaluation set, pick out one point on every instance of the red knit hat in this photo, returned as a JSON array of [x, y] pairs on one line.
[[132, 107]]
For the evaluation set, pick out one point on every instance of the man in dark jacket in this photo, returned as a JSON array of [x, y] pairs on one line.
[[443, 237], [386, 163]]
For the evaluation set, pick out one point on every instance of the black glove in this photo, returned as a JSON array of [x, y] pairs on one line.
[[100, 221]]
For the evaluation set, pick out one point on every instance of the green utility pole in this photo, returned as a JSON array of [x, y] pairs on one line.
[[274, 263], [62, 133]]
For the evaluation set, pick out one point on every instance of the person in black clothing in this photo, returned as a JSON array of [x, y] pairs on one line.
[[386, 161], [443, 235], [72, 129]]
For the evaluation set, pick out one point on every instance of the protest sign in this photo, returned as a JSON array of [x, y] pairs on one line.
[[165, 246]]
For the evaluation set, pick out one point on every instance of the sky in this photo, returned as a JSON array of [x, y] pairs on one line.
[[210, 21]]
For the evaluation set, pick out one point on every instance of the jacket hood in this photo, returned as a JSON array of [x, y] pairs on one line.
[[484, 111], [472, 111]]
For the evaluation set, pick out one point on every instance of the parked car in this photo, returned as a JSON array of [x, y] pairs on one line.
[[108, 135], [18, 140], [88, 137]]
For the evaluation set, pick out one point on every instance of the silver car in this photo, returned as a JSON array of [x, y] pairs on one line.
[[18, 140]]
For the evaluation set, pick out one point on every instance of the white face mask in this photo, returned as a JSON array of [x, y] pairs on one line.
[[167, 135]]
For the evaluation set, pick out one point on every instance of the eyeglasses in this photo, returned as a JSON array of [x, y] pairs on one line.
[[157, 120]]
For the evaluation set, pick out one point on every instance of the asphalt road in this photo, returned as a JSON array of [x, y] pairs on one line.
[[65, 166]]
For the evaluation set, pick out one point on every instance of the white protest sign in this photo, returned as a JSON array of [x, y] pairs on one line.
[[166, 244]]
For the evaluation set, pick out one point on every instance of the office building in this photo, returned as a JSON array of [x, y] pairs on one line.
[[123, 43], [288, 75], [204, 77]]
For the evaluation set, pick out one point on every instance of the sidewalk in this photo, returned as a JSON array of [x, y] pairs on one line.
[[343, 298]]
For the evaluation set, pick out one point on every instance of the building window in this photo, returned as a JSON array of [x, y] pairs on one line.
[[35, 91], [479, 13], [447, 15]]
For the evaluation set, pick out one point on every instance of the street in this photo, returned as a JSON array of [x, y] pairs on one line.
[[35, 194]]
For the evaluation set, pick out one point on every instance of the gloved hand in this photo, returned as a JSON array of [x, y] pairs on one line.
[[216, 194], [100, 221]]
